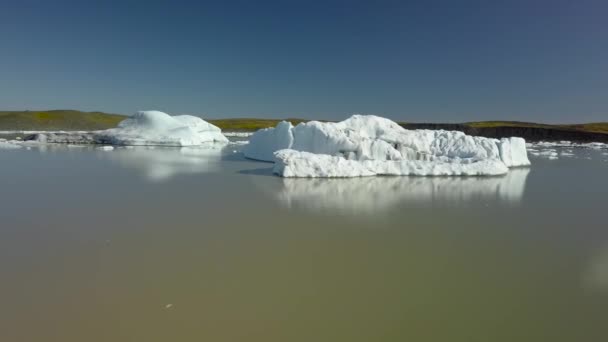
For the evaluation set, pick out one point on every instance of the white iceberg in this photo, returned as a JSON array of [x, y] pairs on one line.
[[8, 145], [146, 128], [367, 145], [158, 128], [265, 142]]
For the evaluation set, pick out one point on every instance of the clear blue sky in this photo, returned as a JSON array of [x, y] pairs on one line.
[[433, 61]]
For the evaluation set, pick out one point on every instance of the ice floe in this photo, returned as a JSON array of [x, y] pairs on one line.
[[550, 153], [565, 143], [367, 145], [8, 145], [555, 150], [238, 134]]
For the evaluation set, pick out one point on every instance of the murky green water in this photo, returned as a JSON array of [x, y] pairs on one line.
[[203, 245]]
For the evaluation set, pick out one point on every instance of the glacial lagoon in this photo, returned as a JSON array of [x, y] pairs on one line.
[[201, 244]]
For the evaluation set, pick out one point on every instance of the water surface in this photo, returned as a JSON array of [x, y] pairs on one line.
[[200, 244]]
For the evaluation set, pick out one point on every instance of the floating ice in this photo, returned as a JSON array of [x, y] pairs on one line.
[[146, 128], [158, 128], [567, 153], [238, 134], [549, 154], [565, 143], [8, 145], [367, 145], [265, 142], [291, 163]]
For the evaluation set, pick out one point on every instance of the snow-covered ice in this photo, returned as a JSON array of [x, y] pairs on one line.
[[367, 145], [158, 128], [146, 128], [265, 142], [105, 148], [291, 163]]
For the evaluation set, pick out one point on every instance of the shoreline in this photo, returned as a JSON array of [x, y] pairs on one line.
[[530, 134], [23, 123]]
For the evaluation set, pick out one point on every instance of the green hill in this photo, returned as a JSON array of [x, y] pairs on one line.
[[57, 120]]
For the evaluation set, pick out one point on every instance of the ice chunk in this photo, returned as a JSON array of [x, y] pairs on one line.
[[366, 145], [268, 140], [513, 151], [144, 128], [8, 145], [238, 134], [564, 143], [158, 128]]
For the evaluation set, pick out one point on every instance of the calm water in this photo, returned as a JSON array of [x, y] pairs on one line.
[[202, 245]]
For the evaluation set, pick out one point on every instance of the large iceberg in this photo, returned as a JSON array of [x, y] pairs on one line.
[[367, 145], [146, 128]]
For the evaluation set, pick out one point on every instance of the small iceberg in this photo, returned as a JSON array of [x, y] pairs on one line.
[[8, 145], [146, 128], [368, 145], [158, 128]]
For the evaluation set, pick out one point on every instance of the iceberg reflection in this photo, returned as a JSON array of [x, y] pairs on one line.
[[371, 194], [162, 163]]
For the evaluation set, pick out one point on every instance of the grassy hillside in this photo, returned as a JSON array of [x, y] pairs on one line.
[[57, 120], [249, 124], [596, 127]]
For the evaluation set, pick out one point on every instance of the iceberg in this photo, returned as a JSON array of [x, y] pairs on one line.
[[146, 128], [263, 143], [8, 145], [368, 145], [158, 128]]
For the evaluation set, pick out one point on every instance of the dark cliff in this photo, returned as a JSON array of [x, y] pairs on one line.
[[528, 133]]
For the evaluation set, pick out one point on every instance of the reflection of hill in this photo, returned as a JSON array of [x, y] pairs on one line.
[[370, 194], [162, 163]]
